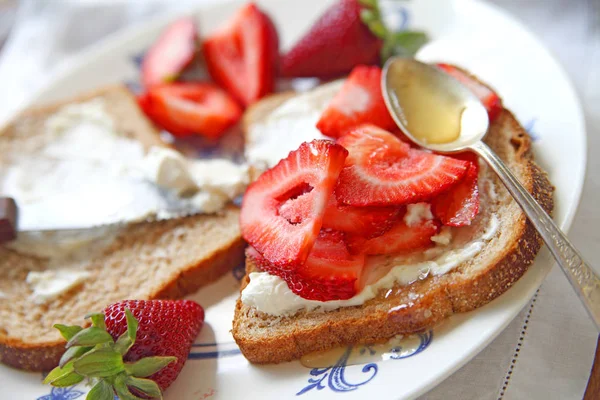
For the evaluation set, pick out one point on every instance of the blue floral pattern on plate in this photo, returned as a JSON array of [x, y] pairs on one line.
[[66, 393], [334, 376]]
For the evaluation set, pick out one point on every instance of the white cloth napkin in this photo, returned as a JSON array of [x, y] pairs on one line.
[[547, 351]]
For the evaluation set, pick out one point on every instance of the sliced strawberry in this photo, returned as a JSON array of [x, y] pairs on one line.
[[490, 100], [335, 44], [400, 238], [159, 117], [310, 173], [381, 170], [187, 108], [242, 55], [459, 205], [364, 221], [171, 53], [358, 102], [329, 273]]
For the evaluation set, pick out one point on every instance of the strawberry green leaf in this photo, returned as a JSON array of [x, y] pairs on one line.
[[410, 41], [62, 377], [68, 380], [99, 363], [97, 320], [122, 390], [368, 3], [148, 366], [132, 325], [58, 372], [73, 353], [127, 339], [123, 344], [378, 29], [146, 386], [68, 331], [90, 337], [101, 391], [368, 16]]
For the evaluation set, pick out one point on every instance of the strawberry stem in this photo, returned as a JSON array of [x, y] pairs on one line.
[[395, 43]]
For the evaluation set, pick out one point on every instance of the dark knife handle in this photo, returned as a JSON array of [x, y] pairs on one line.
[[8, 219]]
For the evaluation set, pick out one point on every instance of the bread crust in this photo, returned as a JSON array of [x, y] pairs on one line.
[[266, 339], [201, 270]]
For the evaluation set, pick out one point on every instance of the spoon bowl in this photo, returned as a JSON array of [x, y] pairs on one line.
[[439, 113], [431, 107]]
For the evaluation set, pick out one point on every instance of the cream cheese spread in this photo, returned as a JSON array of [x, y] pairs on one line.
[[417, 213], [83, 169], [288, 126], [49, 284]]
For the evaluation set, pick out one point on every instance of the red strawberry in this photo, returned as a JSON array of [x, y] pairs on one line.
[[242, 55], [166, 328], [398, 239], [186, 108], [335, 44], [308, 174], [329, 273], [136, 348], [358, 102], [171, 53], [381, 170], [490, 100], [459, 205], [364, 221]]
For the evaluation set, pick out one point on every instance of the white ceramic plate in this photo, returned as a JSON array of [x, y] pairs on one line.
[[469, 33]]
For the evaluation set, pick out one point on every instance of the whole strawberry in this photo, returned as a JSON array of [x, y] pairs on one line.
[[136, 348], [166, 328], [347, 34], [337, 42]]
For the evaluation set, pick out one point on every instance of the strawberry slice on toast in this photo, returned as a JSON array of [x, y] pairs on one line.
[[309, 173], [242, 55], [330, 272], [365, 221], [381, 170], [186, 108], [336, 43], [460, 204], [358, 102], [491, 101], [174, 50], [400, 238]]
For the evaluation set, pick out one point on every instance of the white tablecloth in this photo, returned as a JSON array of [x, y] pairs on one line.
[[547, 351]]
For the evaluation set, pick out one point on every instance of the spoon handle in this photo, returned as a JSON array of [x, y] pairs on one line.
[[580, 275]]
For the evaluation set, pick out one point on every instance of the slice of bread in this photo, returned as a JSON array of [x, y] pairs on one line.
[[263, 338], [166, 259]]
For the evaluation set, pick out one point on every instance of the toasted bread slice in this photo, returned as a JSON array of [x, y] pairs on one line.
[[263, 338], [167, 259]]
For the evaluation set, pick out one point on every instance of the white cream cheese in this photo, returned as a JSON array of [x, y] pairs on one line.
[[288, 126], [270, 294], [169, 170], [82, 170], [417, 213], [444, 236], [49, 284]]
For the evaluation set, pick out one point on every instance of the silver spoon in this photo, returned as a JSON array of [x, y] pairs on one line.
[[438, 113]]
